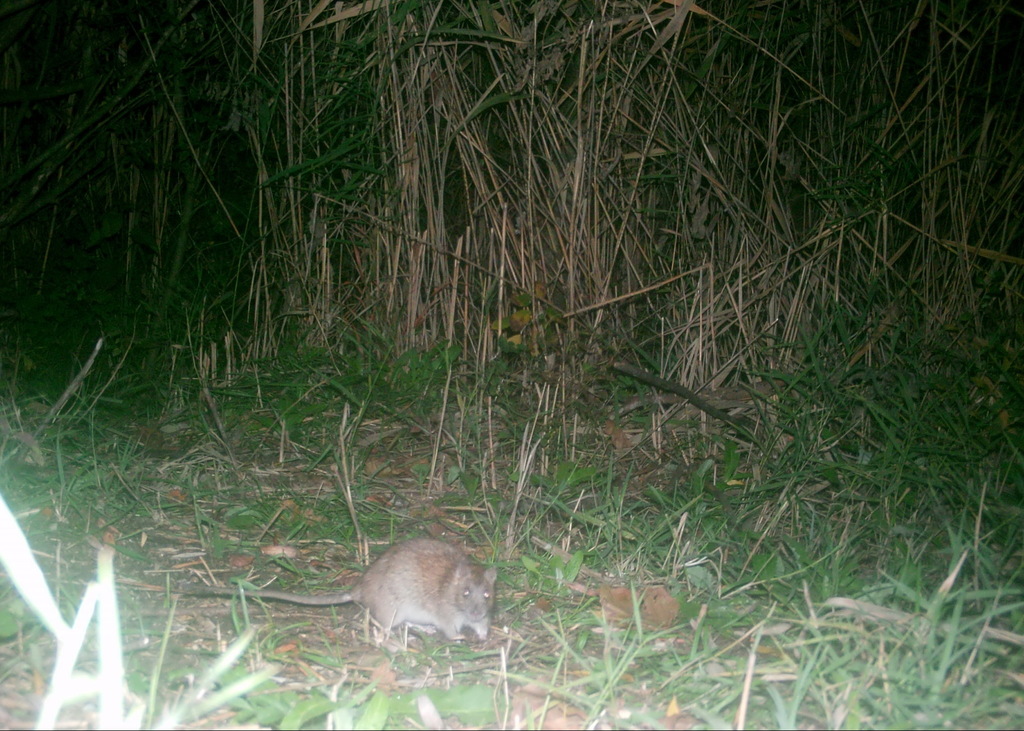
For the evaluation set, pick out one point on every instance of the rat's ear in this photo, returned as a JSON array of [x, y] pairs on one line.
[[490, 575]]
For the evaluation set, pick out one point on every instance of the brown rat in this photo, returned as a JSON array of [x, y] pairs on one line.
[[422, 581]]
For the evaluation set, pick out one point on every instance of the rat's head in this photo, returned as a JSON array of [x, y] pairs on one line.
[[473, 591]]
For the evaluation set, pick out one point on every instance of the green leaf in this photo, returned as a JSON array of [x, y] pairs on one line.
[[571, 474], [10, 624], [701, 578], [472, 704], [572, 569], [306, 710], [375, 714]]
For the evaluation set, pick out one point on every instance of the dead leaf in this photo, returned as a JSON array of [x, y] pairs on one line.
[[658, 608], [35, 453], [531, 700], [878, 613], [519, 319], [616, 603], [278, 550], [384, 676], [679, 722], [429, 713], [239, 560], [152, 439], [620, 439]]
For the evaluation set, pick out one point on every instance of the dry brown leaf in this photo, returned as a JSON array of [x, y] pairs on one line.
[[519, 319], [239, 560], [616, 602], [530, 700], [878, 613], [384, 676], [620, 439], [279, 550], [428, 713], [679, 722], [658, 608], [152, 439]]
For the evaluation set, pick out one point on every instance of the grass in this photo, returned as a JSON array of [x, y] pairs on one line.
[[865, 574], [363, 282]]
